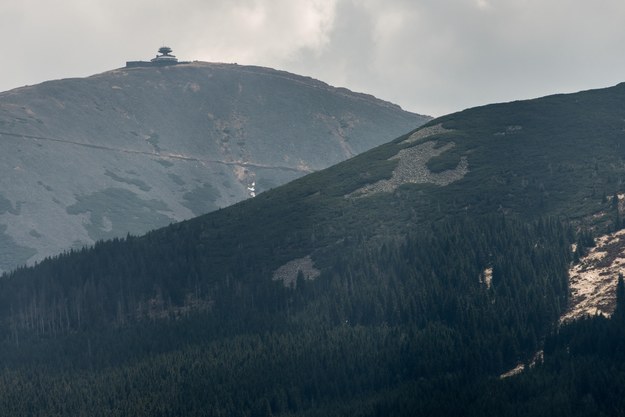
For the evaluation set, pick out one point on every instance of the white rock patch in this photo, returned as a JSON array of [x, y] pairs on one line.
[[593, 280]]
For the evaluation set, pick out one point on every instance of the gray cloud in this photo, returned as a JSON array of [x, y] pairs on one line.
[[430, 56]]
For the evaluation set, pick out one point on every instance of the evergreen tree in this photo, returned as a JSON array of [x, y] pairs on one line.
[[619, 311]]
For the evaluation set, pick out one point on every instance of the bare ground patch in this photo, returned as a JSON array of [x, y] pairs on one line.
[[288, 272], [412, 169]]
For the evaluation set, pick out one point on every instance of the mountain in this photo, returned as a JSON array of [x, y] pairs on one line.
[[403, 281], [134, 149]]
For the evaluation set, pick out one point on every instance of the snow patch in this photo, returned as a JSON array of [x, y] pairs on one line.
[[252, 189], [486, 277]]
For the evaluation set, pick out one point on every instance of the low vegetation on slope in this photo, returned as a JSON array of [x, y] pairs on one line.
[[134, 149]]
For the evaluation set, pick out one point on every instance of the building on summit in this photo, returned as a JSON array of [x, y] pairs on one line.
[[165, 58]]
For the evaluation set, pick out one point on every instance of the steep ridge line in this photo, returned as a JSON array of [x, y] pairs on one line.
[[163, 155]]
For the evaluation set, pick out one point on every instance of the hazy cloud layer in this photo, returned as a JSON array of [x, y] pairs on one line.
[[429, 56]]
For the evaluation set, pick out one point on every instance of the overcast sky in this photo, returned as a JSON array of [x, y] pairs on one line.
[[429, 56]]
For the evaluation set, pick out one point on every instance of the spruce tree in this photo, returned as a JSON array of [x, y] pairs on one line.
[[619, 311]]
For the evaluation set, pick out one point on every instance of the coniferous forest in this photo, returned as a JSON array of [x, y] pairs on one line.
[[409, 317], [413, 301]]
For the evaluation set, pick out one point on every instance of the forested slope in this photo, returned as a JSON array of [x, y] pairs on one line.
[[381, 320], [401, 282]]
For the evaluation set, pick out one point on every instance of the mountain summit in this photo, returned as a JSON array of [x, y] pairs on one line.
[[137, 148]]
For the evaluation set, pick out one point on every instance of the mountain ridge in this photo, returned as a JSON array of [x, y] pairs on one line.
[[132, 149], [410, 300]]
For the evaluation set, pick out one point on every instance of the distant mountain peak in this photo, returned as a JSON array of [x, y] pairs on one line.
[[150, 145]]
